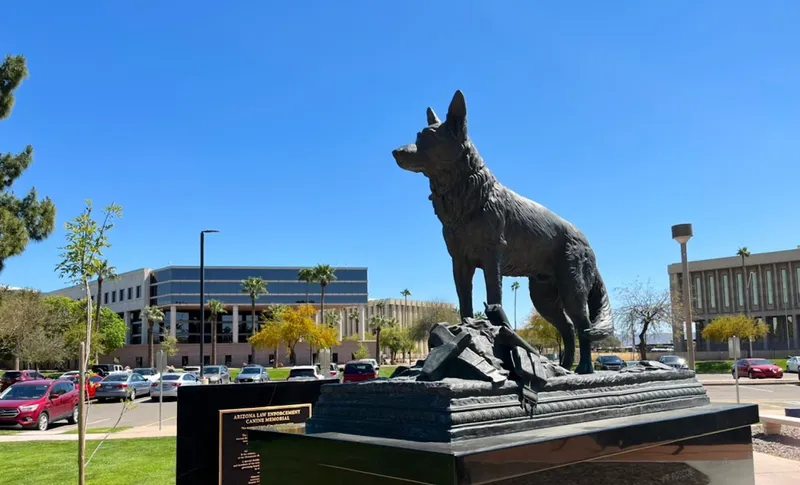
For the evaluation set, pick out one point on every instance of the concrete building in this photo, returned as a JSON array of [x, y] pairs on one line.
[[769, 287], [176, 290], [405, 312]]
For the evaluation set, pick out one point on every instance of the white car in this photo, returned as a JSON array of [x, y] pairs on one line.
[[68, 374], [304, 373], [148, 373], [793, 364], [373, 362], [171, 383]]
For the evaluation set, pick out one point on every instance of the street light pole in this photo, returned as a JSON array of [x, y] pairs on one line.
[[682, 233], [202, 296]]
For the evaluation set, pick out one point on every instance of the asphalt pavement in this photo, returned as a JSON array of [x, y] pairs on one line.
[[771, 399]]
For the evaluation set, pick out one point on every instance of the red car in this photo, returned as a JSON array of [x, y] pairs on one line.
[[92, 383], [360, 371], [11, 377], [757, 369], [36, 404]]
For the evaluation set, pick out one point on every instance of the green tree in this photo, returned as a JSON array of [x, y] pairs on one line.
[[724, 328], [104, 271], [254, 287], [27, 219], [25, 330], [515, 288], [151, 315], [356, 317], [361, 352], [215, 308], [541, 334], [406, 293], [397, 340], [429, 316], [307, 275], [377, 324], [170, 346], [324, 274], [479, 316], [332, 318]]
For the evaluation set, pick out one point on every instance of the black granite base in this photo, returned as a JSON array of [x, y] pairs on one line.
[[700, 445]]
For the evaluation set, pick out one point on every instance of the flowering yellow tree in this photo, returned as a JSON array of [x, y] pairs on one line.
[[724, 328], [324, 337], [298, 324]]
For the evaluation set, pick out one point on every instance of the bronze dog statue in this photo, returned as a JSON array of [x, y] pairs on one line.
[[488, 226]]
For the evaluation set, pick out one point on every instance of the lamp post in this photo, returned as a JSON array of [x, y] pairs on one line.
[[202, 303], [682, 233]]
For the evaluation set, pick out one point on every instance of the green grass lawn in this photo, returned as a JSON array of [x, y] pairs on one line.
[[8, 432], [119, 462], [101, 430]]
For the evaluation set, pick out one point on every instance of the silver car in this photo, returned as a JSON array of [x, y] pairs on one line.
[[122, 385], [253, 373], [217, 374], [171, 382]]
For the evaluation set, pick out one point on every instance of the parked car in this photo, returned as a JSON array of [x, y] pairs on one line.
[[674, 361], [106, 369], [253, 373], [757, 369], [70, 373], [11, 377], [304, 373], [793, 364], [333, 370], [37, 403], [122, 385], [360, 370], [217, 374], [92, 383], [609, 362], [148, 373], [192, 369], [373, 362], [171, 382]]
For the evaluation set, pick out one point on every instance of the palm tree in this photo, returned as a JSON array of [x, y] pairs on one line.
[[514, 288], [307, 275], [378, 324], [254, 287], [104, 272], [406, 293], [355, 317], [744, 253], [324, 274], [151, 315], [215, 308]]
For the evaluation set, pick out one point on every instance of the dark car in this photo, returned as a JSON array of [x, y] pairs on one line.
[[11, 377], [609, 362], [674, 361], [37, 403], [360, 371]]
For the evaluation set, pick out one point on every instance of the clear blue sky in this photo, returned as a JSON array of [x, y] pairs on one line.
[[274, 123]]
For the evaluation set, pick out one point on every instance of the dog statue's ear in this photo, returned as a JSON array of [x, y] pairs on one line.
[[432, 118], [457, 114]]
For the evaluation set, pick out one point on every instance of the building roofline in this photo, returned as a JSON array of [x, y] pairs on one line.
[[771, 257], [256, 267]]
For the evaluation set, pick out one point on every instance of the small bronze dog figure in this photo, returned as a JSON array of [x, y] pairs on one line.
[[488, 226]]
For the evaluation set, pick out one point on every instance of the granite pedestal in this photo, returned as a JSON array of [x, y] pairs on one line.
[[708, 444]]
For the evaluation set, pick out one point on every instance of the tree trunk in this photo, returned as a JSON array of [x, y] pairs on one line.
[[85, 357], [378, 346], [308, 292], [292, 356], [97, 310], [643, 342], [150, 350], [253, 323], [214, 340]]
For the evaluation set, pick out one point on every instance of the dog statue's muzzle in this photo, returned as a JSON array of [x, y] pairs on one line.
[[407, 158]]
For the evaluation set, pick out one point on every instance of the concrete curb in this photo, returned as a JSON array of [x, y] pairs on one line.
[[750, 383]]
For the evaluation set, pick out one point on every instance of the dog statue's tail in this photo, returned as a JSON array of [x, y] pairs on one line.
[[599, 311]]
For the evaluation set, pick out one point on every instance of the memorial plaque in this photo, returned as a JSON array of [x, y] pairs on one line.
[[237, 465]]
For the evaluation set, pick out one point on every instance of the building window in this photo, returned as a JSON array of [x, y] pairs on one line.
[[726, 295], [785, 286], [740, 288], [113, 297], [754, 286], [139, 291], [712, 292], [797, 282], [698, 291], [130, 292], [770, 289], [105, 298], [121, 295]]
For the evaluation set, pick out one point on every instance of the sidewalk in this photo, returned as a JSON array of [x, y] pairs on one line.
[[727, 380], [771, 470], [150, 431]]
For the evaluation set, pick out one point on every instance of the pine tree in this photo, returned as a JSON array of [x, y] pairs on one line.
[[26, 219]]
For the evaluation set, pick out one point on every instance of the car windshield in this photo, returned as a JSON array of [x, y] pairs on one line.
[[144, 372], [359, 369], [251, 370], [672, 359], [171, 377], [301, 373], [759, 362], [610, 359], [24, 392], [12, 375], [211, 370], [116, 378]]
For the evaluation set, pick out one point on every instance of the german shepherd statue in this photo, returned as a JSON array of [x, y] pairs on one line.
[[488, 226]]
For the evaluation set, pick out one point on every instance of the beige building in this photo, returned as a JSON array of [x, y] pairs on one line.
[[768, 287]]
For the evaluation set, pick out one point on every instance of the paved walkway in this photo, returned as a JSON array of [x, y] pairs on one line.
[[771, 470], [727, 380], [138, 432]]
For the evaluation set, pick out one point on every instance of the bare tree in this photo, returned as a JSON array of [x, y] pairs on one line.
[[643, 310]]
